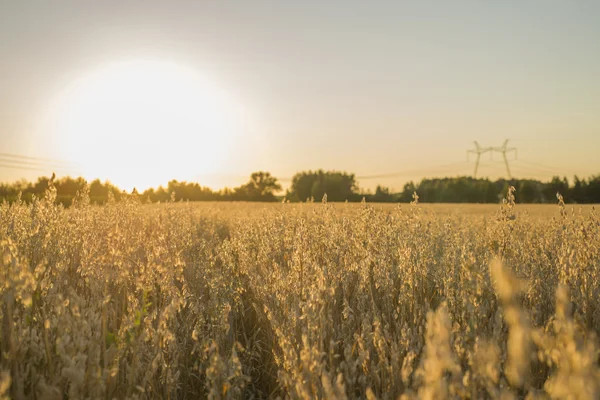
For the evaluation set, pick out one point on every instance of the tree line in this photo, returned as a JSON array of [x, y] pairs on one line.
[[313, 185], [471, 190], [261, 186]]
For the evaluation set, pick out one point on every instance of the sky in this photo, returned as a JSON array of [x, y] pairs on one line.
[[393, 88]]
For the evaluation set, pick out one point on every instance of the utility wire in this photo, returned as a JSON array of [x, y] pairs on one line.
[[27, 163], [21, 162], [547, 169], [32, 164], [3, 165], [398, 173], [410, 172], [18, 157], [536, 164]]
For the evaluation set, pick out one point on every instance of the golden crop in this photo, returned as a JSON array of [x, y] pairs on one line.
[[297, 301]]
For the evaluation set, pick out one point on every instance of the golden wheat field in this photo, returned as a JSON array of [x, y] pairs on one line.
[[336, 301]]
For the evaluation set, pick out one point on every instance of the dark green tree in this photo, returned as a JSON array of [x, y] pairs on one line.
[[579, 190], [529, 191], [339, 186], [593, 189], [261, 187], [383, 195], [556, 185]]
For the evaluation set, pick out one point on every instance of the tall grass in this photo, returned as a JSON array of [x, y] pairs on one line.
[[311, 301]]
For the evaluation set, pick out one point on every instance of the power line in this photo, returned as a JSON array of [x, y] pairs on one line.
[[3, 165], [28, 163], [532, 171], [409, 172], [35, 159], [547, 169], [22, 162], [33, 164], [537, 164], [397, 173]]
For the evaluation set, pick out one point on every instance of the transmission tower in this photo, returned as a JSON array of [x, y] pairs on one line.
[[505, 149], [479, 151], [502, 149]]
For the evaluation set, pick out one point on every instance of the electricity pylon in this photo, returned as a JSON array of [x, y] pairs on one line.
[[479, 151], [504, 149]]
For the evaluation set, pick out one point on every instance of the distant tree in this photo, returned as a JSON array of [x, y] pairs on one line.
[[301, 187], [491, 194], [99, 192], [453, 190], [579, 191], [529, 191], [162, 195], [187, 191], [339, 186], [68, 187], [383, 195], [556, 185], [407, 192], [261, 187], [40, 186], [226, 194], [593, 189]]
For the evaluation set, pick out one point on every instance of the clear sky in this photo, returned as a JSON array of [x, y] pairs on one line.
[[367, 87]]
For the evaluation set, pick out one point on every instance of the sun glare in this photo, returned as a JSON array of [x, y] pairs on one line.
[[142, 123]]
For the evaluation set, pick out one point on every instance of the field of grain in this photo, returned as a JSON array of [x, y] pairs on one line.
[[233, 300]]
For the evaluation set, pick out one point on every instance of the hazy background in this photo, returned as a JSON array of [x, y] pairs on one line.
[[367, 87]]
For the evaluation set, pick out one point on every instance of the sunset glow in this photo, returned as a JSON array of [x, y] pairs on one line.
[[211, 92], [141, 123]]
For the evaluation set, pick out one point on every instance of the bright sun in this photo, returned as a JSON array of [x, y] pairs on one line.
[[142, 123]]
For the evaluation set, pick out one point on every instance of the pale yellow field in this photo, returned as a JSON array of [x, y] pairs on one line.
[[237, 300], [440, 209]]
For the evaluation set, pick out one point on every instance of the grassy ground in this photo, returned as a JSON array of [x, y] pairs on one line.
[[237, 300]]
